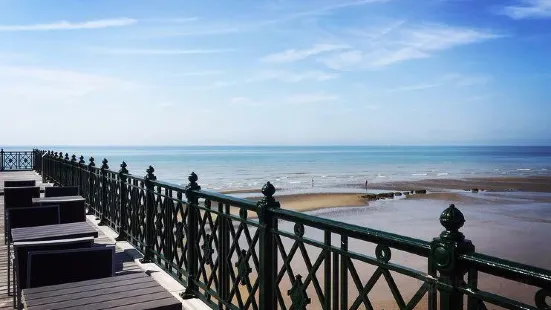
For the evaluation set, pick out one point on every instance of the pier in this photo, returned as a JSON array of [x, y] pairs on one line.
[[234, 253]]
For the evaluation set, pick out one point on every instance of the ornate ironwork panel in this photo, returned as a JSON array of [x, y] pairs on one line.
[[16, 160]]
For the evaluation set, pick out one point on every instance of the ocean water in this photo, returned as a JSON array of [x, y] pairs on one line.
[[248, 167]]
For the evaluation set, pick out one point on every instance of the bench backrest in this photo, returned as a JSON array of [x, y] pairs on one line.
[[20, 197], [19, 183], [33, 216], [71, 210], [56, 191], [63, 266], [22, 250]]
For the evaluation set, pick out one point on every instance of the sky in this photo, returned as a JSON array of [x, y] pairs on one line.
[[275, 72]]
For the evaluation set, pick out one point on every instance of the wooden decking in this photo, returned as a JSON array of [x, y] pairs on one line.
[[124, 263]]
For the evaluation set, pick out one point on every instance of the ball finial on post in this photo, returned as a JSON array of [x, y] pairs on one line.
[[150, 176], [268, 190], [123, 169], [104, 165], [81, 160], [452, 219]]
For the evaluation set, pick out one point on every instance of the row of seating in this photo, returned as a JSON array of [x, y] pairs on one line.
[[42, 258]]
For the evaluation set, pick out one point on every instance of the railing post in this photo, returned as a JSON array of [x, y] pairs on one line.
[[103, 208], [66, 170], [73, 170], [81, 166], [192, 237], [150, 213], [123, 176], [444, 254], [1, 159], [267, 248], [91, 189], [55, 169], [44, 159]]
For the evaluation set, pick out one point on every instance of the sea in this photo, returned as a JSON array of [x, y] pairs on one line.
[[319, 168]]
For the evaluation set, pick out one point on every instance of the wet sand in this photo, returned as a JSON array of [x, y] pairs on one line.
[[525, 184]]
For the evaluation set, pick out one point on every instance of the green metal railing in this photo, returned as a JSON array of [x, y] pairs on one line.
[[17, 160], [240, 254]]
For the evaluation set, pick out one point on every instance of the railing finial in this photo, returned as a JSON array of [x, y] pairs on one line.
[[91, 164], [104, 165], [67, 156], [74, 158], [452, 219], [81, 160], [123, 169], [150, 176], [193, 185], [268, 190]]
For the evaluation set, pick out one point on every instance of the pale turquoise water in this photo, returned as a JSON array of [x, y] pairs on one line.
[[294, 167]]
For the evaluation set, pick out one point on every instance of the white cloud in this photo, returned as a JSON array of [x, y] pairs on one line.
[[201, 73], [402, 44], [414, 87], [451, 79], [293, 77], [299, 10], [39, 82], [311, 98], [291, 55], [166, 52], [177, 20], [462, 80], [528, 9], [65, 25], [244, 102]]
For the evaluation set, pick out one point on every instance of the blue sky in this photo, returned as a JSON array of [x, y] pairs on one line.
[[140, 72]]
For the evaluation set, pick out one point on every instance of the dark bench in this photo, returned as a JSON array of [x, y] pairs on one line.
[[28, 217], [22, 258], [56, 191]]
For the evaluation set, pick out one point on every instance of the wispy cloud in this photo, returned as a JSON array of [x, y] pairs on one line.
[[201, 73], [293, 77], [65, 25], [311, 98], [176, 20], [463, 80], [528, 9], [285, 12], [414, 87], [451, 79], [167, 52], [244, 102], [405, 43], [325, 10], [56, 83], [291, 55]]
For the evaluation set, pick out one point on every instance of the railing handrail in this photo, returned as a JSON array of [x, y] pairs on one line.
[[508, 269]]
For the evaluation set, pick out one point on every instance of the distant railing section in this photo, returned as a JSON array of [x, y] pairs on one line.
[[17, 160], [240, 254]]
